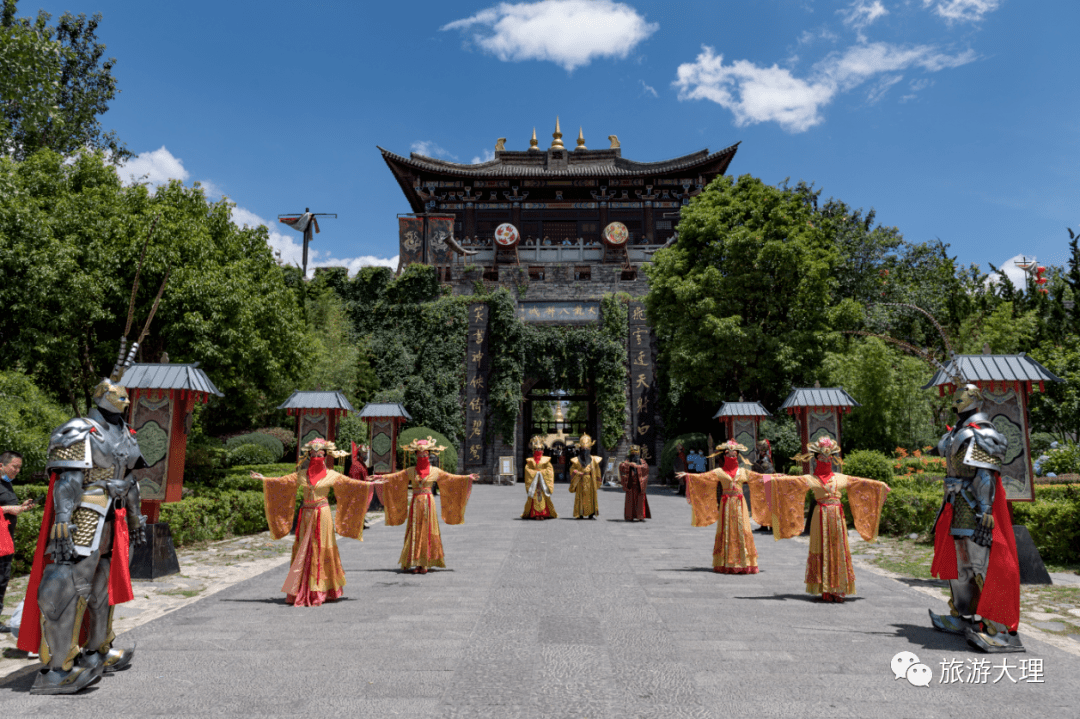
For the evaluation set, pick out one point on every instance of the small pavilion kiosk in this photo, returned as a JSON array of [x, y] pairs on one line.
[[163, 398], [317, 414], [384, 421], [741, 421], [1007, 382], [817, 412]]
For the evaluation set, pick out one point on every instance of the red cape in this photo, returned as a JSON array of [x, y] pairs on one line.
[[119, 575], [1000, 598]]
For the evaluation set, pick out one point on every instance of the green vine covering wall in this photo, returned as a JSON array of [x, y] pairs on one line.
[[564, 357]]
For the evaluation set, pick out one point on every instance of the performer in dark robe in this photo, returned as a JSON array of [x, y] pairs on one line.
[[634, 477]]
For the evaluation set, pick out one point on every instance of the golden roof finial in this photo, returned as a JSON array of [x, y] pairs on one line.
[[533, 145], [556, 143], [580, 140]]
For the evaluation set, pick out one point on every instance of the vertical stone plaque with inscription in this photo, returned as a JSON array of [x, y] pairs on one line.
[[477, 365], [642, 384]]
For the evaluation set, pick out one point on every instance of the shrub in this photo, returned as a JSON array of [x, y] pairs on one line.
[[202, 519], [353, 429], [692, 442], [273, 444], [285, 436], [27, 418], [1040, 442], [1054, 525], [251, 454], [448, 460], [910, 510], [1065, 459], [205, 465], [869, 463]]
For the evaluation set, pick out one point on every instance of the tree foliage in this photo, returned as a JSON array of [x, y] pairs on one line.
[[742, 303], [57, 83], [70, 240]]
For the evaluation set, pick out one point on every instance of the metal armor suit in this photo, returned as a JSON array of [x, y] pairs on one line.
[[973, 451], [92, 458]]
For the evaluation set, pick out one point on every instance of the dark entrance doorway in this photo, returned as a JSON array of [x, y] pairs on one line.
[[561, 417]]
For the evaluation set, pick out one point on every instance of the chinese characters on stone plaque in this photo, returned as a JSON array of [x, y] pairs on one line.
[[477, 364], [642, 381], [558, 312]]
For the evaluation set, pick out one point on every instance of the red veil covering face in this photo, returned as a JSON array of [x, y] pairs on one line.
[[119, 574], [999, 600]]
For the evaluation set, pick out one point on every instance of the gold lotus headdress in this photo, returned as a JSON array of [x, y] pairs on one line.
[[826, 446], [424, 445], [319, 443]]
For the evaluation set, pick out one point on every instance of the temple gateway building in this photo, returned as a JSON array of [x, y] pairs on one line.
[[576, 224]]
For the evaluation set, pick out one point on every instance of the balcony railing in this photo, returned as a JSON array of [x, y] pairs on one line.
[[556, 251]]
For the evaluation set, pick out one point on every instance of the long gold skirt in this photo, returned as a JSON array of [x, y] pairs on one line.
[[734, 551], [423, 542], [828, 566]]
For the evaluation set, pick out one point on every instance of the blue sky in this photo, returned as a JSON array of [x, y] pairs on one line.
[[954, 119]]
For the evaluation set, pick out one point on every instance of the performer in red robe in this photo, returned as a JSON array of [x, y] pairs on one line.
[[634, 478]]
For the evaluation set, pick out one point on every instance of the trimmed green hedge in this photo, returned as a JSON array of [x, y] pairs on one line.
[[870, 464], [274, 445], [251, 454]]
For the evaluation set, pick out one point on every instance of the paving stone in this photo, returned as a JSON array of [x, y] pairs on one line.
[[553, 619]]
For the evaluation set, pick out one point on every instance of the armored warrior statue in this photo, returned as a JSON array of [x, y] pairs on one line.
[[91, 512], [974, 546], [92, 509]]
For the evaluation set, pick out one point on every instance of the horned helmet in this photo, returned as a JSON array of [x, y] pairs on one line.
[[109, 394]]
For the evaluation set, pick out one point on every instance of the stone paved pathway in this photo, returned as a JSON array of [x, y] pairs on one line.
[[565, 618]]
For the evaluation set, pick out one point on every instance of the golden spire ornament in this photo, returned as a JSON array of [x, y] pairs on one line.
[[533, 145], [556, 143], [580, 140]]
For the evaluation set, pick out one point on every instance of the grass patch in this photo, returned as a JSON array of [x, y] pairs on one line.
[[901, 556], [187, 593]]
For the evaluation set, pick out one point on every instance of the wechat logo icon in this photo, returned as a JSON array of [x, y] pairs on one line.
[[905, 665]]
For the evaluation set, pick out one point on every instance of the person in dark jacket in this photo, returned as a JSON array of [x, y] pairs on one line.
[[11, 507]]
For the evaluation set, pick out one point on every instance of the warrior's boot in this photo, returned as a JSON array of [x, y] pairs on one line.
[[993, 638]]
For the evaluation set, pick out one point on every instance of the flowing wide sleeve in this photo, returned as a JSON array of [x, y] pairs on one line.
[[395, 497], [353, 497], [279, 494], [866, 497], [759, 508], [454, 492], [786, 499], [575, 478], [701, 496]]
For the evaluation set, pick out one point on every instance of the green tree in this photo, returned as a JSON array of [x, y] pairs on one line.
[[27, 418], [744, 302], [57, 84], [1057, 409], [70, 239], [894, 411]]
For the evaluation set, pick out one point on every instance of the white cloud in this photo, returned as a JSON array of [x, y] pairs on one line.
[[916, 86], [649, 89], [569, 33], [430, 149], [882, 86], [289, 246], [962, 10], [862, 14], [773, 94], [1010, 270], [155, 168], [488, 156]]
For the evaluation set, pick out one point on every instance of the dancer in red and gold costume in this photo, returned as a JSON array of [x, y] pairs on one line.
[[828, 566], [539, 483], [734, 551], [423, 542], [634, 478], [315, 574]]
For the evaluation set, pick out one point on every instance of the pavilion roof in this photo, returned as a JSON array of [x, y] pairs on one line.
[[169, 376], [741, 409], [819, 397], [993, 368], [317, 400], [384, 409]]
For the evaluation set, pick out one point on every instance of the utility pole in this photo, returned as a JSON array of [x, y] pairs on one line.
[[304, 222]]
